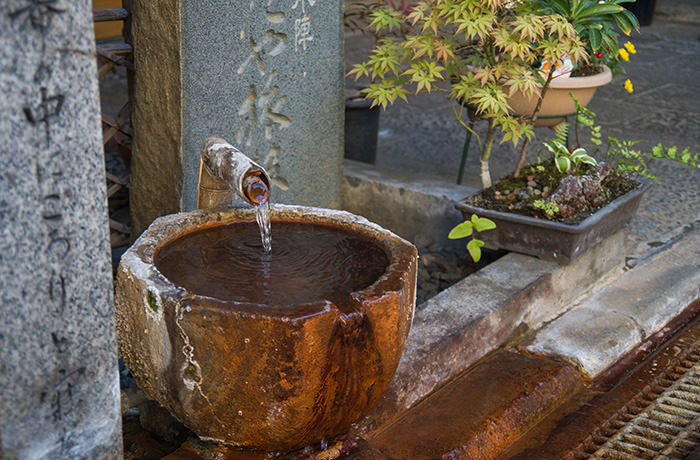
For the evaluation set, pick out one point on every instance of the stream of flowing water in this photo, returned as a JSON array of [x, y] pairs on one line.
[[262, 216], [259, 195]]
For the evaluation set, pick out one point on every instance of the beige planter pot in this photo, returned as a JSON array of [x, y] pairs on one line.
[[557, 103]]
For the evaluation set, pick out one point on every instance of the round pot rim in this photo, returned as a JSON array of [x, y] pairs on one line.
[[589, 81], [166, 229]]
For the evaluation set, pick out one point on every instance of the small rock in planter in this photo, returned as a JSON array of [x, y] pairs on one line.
[[579, 193]]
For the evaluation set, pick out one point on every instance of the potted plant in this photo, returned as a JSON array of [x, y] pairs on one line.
[[482, 53], [597, 24], [562, 207], [594, 22]]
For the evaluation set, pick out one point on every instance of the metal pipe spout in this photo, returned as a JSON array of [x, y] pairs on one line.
[[225, 171]]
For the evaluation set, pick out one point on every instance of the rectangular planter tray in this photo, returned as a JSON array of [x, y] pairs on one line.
[[555, 241]]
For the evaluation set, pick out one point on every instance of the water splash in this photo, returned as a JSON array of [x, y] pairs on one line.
[[262, 216]]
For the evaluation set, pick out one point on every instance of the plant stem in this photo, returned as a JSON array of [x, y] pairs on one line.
[[533, 120], [465, 150], [470, 126], [578, 143], [485, 154]]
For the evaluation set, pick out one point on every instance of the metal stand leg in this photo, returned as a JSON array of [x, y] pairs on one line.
[[465, 150]]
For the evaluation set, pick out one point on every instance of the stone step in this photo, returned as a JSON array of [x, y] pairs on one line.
[[617, 316], [482, 411]]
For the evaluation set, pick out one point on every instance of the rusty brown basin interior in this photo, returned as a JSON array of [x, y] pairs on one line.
[[273, 379]]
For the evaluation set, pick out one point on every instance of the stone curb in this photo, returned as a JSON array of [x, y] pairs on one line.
[[417, 208], [620, 314]]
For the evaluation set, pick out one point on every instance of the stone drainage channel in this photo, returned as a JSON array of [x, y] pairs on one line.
[[652, 411]]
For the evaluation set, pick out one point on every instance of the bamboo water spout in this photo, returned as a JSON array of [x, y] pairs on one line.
[[225, 171]]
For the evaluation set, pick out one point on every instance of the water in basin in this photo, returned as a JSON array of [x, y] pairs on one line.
[[309, 263]]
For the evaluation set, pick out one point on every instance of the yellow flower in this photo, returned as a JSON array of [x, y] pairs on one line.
[[630, 47], [624, 54], [628, 86]]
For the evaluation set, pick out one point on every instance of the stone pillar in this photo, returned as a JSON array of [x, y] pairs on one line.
[[59, 379], [266, 76]]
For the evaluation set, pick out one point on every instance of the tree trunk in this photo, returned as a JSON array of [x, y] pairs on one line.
[[486, 154]]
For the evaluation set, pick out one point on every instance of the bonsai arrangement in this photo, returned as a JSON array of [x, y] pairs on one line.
[[561, 207]]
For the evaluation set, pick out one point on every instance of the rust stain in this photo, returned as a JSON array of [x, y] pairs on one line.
[[481, 412]]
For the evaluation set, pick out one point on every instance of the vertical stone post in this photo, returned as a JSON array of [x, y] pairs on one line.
[[265, 75], [59, 379]]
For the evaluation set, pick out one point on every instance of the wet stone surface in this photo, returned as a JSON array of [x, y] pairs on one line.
[[466, 419]]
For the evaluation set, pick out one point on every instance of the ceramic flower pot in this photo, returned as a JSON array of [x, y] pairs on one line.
[[557, 102], [556, 241]]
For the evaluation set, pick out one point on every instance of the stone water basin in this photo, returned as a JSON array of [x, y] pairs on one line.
[[275, 370]]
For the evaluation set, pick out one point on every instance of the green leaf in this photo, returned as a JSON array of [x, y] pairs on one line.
[[600, 9], [556, 147], [462, 230], [385, 18], [561, 132], [631, 18], [481, 224], [579, 152], [595, 38], [474, 248], [624, 24], [563, 164], [684, 157], [588, 160], [359, 70]]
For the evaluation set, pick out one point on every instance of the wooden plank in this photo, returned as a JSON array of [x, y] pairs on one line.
[[114, 57], [123, 180], [104, 69], [112, 189], [118, 226], [110, 14], [114, 47]]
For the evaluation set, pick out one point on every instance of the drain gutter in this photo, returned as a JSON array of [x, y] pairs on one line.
[[662, 422]]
